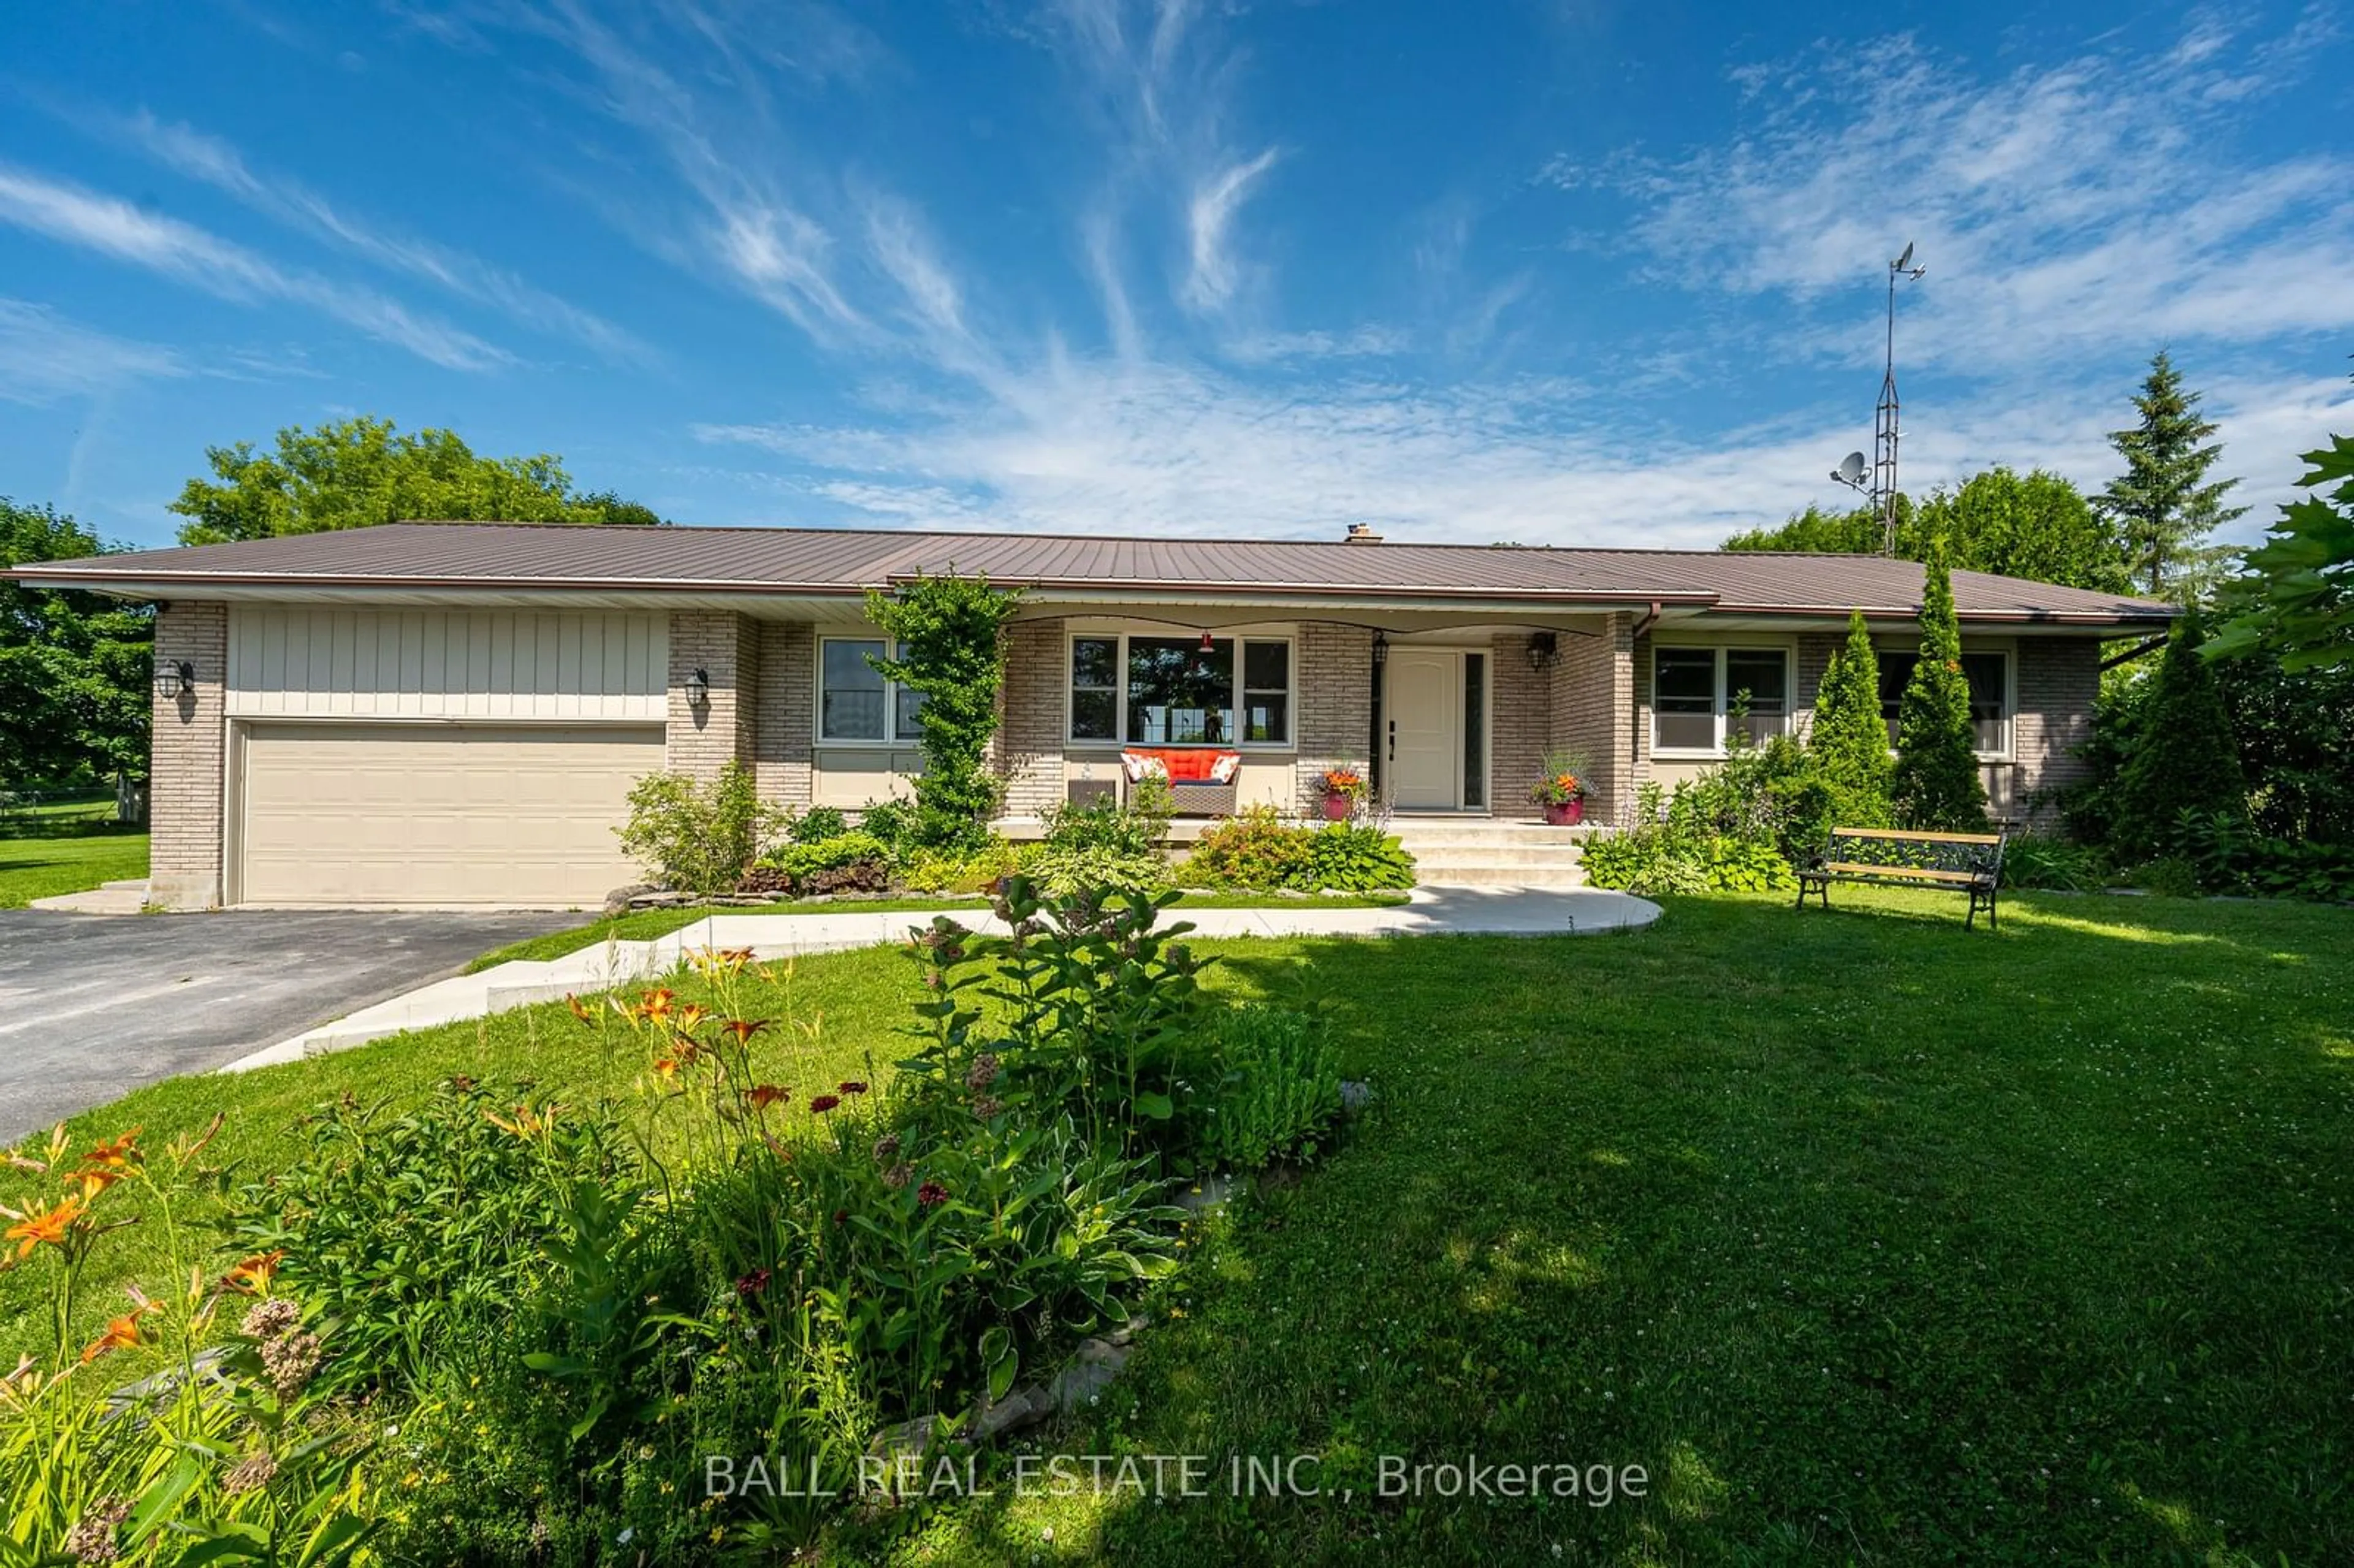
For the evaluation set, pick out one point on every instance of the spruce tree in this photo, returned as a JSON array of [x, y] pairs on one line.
[[1936, 783], [2162, 505], [2183, 753], [1849, 737]]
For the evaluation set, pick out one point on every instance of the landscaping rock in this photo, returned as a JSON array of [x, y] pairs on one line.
[[910, 1440], [1089, 1374], [1023, 1407], [623, 899]]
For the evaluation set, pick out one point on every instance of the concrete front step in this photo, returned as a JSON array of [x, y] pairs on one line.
[[1474, 830]]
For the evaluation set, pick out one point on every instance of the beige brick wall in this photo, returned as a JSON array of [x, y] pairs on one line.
[[1522, 723], [1640, 705], [1592, 688], [188, 761], [726, 646], [785, 711], [2057, 683], [1334, 688], [1027, 750]]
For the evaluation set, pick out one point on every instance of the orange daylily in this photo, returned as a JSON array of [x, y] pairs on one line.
[[763, 1096], [578, 1010], [122, 1149], [654, 1005], [122, 1333], [528, 1122], [95, 1179], [688, 1015], [252, 1276], [31, 1230], [743, 1029]]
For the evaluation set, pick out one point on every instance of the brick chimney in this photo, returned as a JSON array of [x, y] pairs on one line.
[[1362, 534]]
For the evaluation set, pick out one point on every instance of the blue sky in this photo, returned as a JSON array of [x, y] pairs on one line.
[[1575, 271]]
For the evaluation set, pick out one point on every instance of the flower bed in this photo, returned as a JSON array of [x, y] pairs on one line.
[[505, 1328]]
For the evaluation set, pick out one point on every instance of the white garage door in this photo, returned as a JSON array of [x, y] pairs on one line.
[[519, 815]]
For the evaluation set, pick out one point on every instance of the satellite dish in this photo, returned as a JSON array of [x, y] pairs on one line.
[[1906, 259], [1850, 469]]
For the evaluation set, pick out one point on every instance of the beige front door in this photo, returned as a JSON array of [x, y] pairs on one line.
[[435, 815], [1422, 708]]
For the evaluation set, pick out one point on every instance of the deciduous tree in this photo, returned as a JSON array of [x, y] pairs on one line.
[[362, 472], [74, 667]]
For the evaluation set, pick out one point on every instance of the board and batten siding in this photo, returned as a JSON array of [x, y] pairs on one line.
[[296, 662]]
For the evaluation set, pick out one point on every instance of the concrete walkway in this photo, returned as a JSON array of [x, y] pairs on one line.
[[1462, 911]]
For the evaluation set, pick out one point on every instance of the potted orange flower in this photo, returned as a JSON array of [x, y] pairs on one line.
[[1343, 789], [1560, 789]]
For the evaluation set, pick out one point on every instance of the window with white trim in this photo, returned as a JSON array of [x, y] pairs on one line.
[[1180, 691], [1989, 675], [1700, 695], [855, 702]]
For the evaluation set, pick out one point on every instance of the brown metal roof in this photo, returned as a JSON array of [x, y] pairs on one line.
[[804, 561]]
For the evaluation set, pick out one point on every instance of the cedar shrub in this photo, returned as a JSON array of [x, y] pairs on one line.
[[1936, 784]]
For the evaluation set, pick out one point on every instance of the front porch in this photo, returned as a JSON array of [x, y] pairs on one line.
[[1451, 723]]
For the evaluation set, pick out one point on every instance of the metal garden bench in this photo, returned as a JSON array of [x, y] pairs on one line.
[[1959, 862]]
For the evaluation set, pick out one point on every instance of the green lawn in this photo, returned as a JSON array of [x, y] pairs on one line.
[[67, 848], [1870, 1239], [643, 925]]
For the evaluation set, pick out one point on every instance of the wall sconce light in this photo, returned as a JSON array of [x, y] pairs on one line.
[[176, 681], [1545, 650], [1381, 649], [698, 688]]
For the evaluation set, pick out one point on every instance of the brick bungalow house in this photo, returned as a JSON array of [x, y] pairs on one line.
[[452, 714]]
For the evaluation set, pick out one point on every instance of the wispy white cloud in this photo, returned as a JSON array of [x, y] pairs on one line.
[[721, 142], [1164, 448], [2066, 207], [45, 357], [1209, 221], [114, 228], [216, 163], [1370, 340]]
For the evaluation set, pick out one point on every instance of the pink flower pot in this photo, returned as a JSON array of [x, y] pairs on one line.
[[1566, 813], [1339, 808]]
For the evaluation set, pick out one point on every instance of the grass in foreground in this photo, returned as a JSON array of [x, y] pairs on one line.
[[644, 925], [48, 849], [1870, 1239]]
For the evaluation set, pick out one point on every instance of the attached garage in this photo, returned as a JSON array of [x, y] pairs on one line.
[[433, 758], [359, 814]]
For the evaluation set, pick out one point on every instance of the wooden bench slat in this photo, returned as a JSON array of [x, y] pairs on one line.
[[1921, 873], [1896, 835]]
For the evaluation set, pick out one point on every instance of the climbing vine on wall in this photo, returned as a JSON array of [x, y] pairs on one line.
[[948, 631]]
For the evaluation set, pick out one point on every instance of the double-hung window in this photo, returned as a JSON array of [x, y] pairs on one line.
[[855, 703], [1698, 695], [1989, 675], [1180, 691]]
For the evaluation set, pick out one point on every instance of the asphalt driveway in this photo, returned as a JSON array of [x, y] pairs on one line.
[[93, 1006]]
